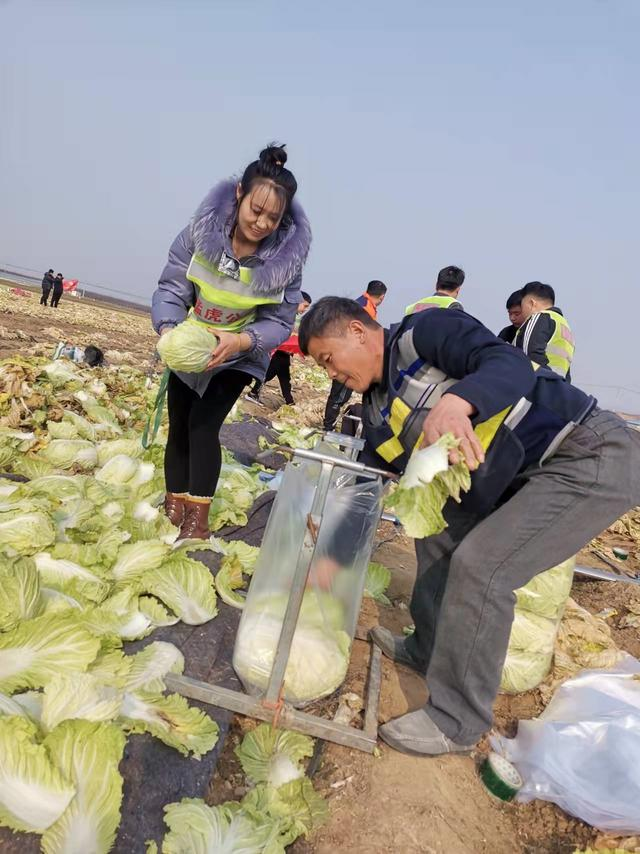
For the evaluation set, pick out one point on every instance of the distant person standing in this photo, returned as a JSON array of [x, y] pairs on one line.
[[57, 290], [47, 284], [340, 394], [448, 285], [280, 364], [514, 310], [545, 336]]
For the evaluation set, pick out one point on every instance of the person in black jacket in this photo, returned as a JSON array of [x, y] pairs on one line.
[[57, 290], [339, 394], [545, 336], [549, 471], [47, 284], [280, 364], [514, 310]]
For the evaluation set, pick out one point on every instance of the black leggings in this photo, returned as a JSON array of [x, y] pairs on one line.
[[193, 457], [55, 299], [338, 397], [280, 366]]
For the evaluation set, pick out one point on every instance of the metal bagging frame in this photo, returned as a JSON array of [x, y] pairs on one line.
[[271, 707]]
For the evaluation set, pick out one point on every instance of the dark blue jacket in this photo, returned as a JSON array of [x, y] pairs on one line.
[[492, 376]]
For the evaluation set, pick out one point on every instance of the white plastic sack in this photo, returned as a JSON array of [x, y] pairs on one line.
[[583, 752]]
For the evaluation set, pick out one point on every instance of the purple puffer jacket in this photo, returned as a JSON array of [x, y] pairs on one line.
[[278, 264]]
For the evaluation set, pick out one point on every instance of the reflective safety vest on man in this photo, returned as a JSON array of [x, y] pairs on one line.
[[547, 339], [435, 301], [394, 411], [225, 298]]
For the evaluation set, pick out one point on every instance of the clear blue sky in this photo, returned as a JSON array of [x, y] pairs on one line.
[[501, 136]]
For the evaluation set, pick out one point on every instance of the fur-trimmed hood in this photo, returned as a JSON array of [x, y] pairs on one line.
[[280, 257]]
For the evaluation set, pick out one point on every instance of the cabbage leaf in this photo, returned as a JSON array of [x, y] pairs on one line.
[[34, 793], [273, 756], [88, 754]]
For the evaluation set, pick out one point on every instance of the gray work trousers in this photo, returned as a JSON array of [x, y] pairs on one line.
[[463, 599]]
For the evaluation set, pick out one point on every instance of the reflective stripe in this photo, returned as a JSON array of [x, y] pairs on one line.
[[487, 430], [225, 290], [201, 268], [224, 301], [399, 414], [519, 411], [395, 415], [561, 346], [435, 301], [557, 441], [390, 450]]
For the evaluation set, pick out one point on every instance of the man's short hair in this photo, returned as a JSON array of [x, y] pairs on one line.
[[329, 314], [514, 300], [538, 290], [306, 297], [450, 278], [376, 288]]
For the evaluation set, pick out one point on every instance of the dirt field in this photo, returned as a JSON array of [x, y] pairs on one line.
[[392, 802]]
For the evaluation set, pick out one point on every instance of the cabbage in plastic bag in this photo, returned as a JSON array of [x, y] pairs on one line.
[[539, 609], [524, 671], [319, 654], [547, 593], [532, 633]]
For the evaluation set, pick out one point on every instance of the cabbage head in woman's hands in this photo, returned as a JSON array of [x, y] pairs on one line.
[[187, 347]]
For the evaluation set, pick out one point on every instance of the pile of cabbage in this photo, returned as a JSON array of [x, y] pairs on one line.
[[87, 563], [280, 806], [539, 608], [290, 435]]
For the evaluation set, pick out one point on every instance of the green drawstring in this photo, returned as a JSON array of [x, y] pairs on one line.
[[156, 413]]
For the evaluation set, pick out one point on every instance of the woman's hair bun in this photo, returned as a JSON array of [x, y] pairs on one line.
[[270, 168], [272, 160]]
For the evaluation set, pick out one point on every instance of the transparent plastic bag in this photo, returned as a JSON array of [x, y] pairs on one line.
[[583, 752], [540, 605], [326, 625]]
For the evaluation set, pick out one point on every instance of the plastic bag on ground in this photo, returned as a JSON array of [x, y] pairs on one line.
[[326, 625], [583, 752]]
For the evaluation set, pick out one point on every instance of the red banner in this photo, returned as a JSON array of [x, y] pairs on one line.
[[69, 284]]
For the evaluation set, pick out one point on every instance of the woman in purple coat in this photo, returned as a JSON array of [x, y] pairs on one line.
[[238, 268]]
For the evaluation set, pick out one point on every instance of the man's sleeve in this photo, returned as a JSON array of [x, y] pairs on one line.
[[361, 301], [534, 337], [492, 374]]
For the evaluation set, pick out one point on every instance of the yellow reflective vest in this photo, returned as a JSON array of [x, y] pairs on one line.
[[559, 346], [225, 298], [395, 412], [435, 301]]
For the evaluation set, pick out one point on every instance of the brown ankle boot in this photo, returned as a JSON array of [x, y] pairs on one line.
[[174, 507], [196, 519]]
